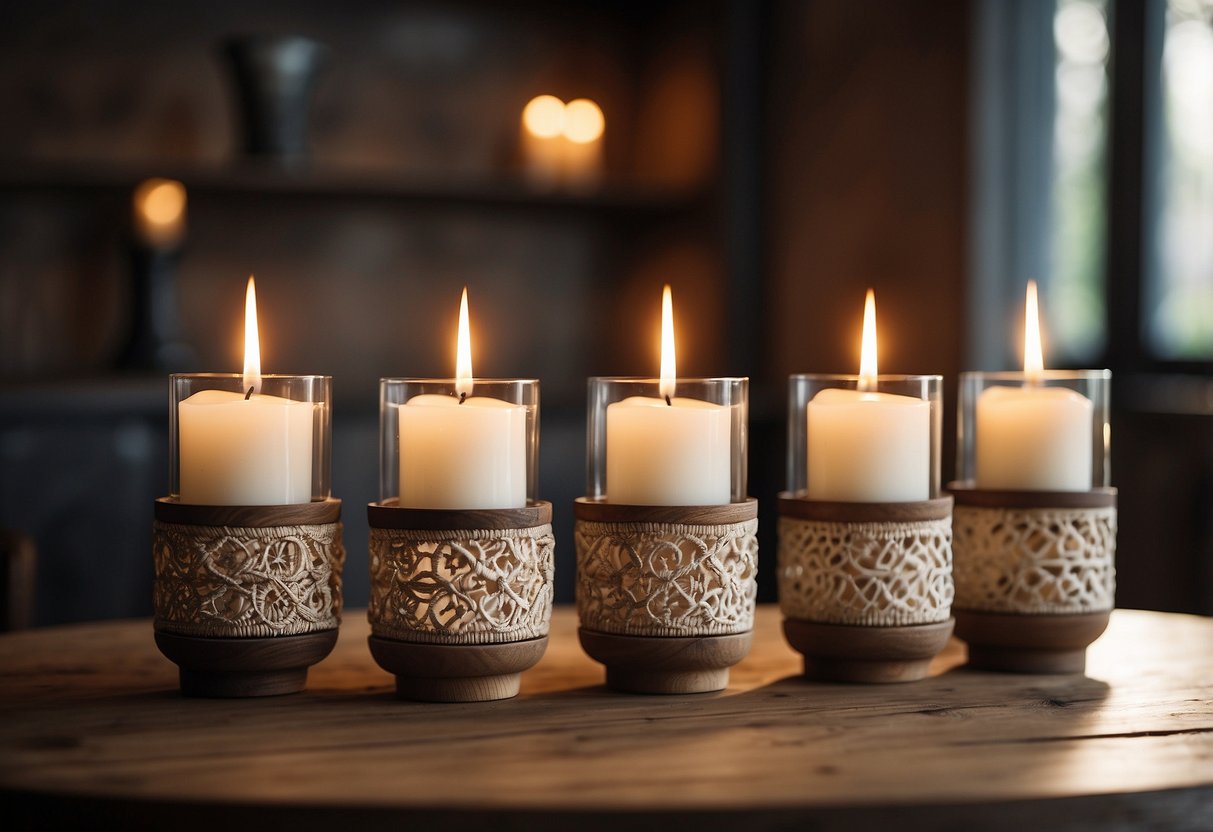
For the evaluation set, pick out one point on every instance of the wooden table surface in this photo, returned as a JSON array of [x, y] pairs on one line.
[[92, 727]]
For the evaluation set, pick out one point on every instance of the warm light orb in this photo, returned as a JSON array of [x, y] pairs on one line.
[[1033, 353], [668, 371], [463, 351], [583, 121], [867, 354], [544, 116], [159, 207], [252, 341]]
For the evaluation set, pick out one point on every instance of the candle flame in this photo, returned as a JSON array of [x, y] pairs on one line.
[[867, 354], [463, 353], [668, 367], [583, 121], [1033, 355], [252, 341], [544, 116]]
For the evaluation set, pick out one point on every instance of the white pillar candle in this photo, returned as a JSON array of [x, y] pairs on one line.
[[868, 447], [669, 451], [1033, 439], [470, 455], [864, 446], [244, 452], [463, 451], [675, 454]]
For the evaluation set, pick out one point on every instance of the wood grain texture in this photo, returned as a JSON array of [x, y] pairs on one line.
[[967, 495], [597, 511], [389, 515], [92, 727], [168, 510], [827, 511]]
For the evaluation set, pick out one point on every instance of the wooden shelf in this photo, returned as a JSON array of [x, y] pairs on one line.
[[249, 179]]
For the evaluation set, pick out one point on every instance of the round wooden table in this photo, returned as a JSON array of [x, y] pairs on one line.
[[93, 730]]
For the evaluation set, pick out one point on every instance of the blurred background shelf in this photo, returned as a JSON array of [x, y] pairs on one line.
[[249, 179]]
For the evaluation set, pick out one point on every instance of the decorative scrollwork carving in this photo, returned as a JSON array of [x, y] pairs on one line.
[[461, 587], [881, 574], [667, 579], [1035, 560], [223, 581]]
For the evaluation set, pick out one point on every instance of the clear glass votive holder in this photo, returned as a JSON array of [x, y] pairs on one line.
[[230, 447], [1041, 432], [689, 449], [442, 449], [859, 441]]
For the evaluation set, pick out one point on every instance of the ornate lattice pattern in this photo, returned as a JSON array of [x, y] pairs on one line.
[[667, 579], [223, 581], [1035, 560], [872, 574], [461, 587]]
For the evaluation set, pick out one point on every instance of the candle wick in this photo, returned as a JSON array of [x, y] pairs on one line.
[[462, 397], [249, 394], [667, 400]]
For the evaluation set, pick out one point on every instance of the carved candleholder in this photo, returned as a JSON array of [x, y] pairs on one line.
[[1035, 576], [246, 598], [866, 588], [461, 600], [665, 594]]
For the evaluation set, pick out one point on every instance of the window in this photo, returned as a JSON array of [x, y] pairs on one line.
[[1076, 237], [1177, 304]]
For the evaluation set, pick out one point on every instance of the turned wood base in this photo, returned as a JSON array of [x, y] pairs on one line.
[[660, 664], [1029, 643], [851, 653], [456, 672], [243, 667]]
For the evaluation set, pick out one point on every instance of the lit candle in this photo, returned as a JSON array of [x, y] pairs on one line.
[[669, 451], [584, 125], [462, 451], [543, 141], [245, 449], [1033, 438], [159, 213], [865, 446]]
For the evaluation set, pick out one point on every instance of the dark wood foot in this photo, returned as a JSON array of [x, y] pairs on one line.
[[456, 672], [1029, 643], [245, 667], [872, 655], [643, 664]]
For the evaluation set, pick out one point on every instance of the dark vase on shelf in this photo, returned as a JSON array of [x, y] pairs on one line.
[[154, 339], [275, 78]]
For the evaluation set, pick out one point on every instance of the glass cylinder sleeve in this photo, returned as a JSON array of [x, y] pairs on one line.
[[689, 449], [852, 440], [230, 448], [443, 449], [1044, 432]]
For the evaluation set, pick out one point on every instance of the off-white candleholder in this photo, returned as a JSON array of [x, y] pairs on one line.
[[665, 594], [1035, 522], [461, 600], [866, 588], [1035, 576], [246, 598]]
